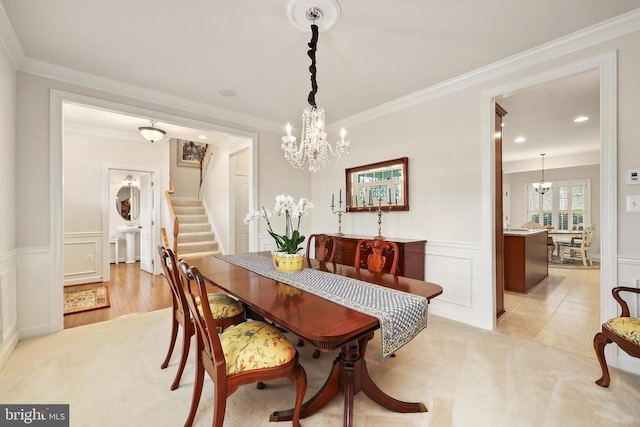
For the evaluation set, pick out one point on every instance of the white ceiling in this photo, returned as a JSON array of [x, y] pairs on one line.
[[378, 51]]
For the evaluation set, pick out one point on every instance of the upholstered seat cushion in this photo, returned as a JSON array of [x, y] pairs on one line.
[[626, 327], [222, 306], [255, 345]]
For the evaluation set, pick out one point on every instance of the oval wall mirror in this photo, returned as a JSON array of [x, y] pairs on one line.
[[128, 202]]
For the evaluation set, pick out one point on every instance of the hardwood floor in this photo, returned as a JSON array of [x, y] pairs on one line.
[[131, 291]]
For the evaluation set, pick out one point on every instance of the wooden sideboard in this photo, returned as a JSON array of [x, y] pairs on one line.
[[410, 259]]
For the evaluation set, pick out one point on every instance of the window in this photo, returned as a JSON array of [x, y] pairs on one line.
[[563, 206]]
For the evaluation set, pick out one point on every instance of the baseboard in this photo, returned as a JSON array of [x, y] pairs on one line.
[[35, 331]]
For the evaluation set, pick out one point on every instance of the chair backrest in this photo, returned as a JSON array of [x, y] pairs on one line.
[[377, 259], [325, 248], [170, 269], [587, 236], [207, 327], [532, 224]]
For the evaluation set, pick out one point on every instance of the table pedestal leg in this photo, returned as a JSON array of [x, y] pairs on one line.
[[350, 375]]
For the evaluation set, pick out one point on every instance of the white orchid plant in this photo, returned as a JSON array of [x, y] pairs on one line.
[[291, 241]]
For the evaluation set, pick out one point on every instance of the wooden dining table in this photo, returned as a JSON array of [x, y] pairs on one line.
[[322, 323]]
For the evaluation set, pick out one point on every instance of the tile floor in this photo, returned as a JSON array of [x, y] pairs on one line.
[[563, 311]]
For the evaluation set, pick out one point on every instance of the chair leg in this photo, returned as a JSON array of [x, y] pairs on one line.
[[584, 258], [186, 343], [197, 391], [172, 342], [219, 405], [599, 342]]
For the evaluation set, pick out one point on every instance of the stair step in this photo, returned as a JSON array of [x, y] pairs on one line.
[[200, 254], [186, 202], [191, 247], [188, 210], [193, 219], [195, 228], [206, 236]]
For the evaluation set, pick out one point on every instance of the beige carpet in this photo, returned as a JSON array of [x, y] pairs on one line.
[[110, 375]]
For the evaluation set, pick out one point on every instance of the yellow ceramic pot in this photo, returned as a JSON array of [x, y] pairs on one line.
[[287, 262]]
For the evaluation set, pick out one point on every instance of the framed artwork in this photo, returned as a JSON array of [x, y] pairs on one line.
[[190, 153]]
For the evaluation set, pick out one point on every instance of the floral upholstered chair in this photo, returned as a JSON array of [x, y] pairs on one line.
[[623, 330], [226, 309], [247, 353]]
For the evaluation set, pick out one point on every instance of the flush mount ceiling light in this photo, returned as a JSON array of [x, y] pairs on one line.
[[152, 133], [580, 119], [313, 151], [542, 187], [519, 140]]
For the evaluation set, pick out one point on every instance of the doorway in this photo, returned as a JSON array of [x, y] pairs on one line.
[[606, 66], [58, 101]]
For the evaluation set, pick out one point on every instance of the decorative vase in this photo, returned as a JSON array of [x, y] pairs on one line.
[[289, 263]]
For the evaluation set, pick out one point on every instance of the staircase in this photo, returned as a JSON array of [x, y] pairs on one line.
[[195, 238]]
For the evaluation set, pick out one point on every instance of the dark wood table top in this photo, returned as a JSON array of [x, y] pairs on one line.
[[325, 324]]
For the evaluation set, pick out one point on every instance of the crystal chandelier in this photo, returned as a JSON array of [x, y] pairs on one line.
[[542, 187], [313, 150]]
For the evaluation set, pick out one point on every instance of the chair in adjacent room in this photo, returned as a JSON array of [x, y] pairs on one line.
[[623, 330], [247, 353], [377, 253], [580, 247], [226, 309], [325, 248]]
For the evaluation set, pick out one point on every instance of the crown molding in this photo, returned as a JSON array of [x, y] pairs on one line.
[[590, 36], [9, 40], [45, 69]]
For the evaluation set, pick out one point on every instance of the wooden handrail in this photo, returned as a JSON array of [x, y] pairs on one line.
[[176, 222]]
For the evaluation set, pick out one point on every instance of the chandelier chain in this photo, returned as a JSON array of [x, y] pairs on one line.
[[313, 47]]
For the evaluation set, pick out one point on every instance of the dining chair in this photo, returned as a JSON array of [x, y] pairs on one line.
[[377, 253], [582, 246], [226, 309], [623, 330], [246, 353], [325, 248]]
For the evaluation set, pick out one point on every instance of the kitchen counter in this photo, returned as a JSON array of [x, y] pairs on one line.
[[525, 259]]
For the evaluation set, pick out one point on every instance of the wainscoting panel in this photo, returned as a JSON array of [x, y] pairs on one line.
[[455, 267], [82, 258], [36, 292], [8, 305]]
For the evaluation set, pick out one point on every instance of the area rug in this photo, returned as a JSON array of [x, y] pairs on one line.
[[85, 299], [574, 265]]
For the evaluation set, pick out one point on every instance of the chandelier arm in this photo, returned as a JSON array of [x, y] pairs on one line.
[[313, 44]]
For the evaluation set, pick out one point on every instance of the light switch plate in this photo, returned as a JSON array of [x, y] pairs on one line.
[[632, 176], [633, 203]]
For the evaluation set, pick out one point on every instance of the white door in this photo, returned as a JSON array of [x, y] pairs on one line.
[[146, 223]]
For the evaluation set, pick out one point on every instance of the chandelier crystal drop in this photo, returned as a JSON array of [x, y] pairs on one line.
[[542, 187], [313, 151]]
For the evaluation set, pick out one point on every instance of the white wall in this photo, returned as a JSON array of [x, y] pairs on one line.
[[8, 303], [518, 205]]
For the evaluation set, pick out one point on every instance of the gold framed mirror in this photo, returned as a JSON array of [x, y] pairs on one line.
[[384, 184]]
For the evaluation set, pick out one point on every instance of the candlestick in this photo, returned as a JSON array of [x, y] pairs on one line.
[[379, 212], [340, 197], [339, 212], [332, 204]]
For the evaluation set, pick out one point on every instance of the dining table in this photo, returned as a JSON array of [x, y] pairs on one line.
[[322, 322], [565, 236]]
